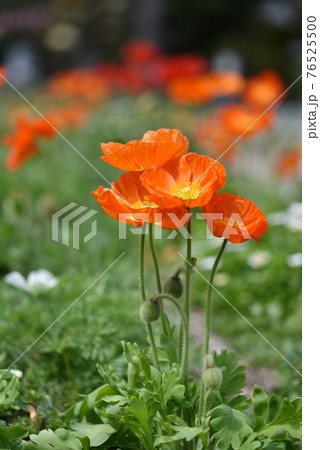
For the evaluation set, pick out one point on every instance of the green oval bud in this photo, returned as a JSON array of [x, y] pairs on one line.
[[212, 378], [149, 311], [174, 287]]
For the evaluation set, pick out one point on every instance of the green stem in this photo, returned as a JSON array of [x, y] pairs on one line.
[[154, 257], [187, 288], [143, 296], [208, 315], [188, 272], [142, 245], [184, 324], [209, 297], [157, 273]]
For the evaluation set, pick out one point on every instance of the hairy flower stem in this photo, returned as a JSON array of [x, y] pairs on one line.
[[187, 289], [157, 273], [143, 296], [188, 271], [184, 324], [208, 316]]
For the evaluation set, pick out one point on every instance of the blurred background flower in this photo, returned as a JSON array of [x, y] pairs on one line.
[[37, 281]]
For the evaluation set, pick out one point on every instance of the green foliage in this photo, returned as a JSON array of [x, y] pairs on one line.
[[9, 390], [275, 419], [59, 440], [152, 409], [230, 427], [10, 434]]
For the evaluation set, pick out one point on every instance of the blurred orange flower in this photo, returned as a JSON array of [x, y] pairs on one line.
[[128, 202], [288, 164], [156, 147], [189, 181], [218, 132], [22, 143], [71, 115], [204, 88], [86, 84], [210, 135], [239, 118], [234, 218], [263, 89]]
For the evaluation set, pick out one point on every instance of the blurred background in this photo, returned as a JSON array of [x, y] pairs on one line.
[[39, 37]]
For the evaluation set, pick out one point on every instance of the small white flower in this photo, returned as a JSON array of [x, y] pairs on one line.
[[295, 260], [258, 259], [290, 218], [207, 263], [17, 373], [221, 279], [37, 281], [17, 280]]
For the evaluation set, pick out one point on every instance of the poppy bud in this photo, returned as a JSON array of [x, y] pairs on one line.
[[174, 287], [149, 311], [212, 378]]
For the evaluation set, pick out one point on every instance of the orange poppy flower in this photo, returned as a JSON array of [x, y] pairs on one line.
[[189, 180], [156, 147], [234, 218], [263, 89], [238, 118], [128, 202], [22, 143], [289, 163]]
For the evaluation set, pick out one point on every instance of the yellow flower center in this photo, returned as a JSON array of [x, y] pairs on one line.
[[188, 190], [232, 222], [144, 204]]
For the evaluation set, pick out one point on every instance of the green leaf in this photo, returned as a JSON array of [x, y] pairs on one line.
[[171, 389], [61, 439], [169, 347], [135, 357], [9, 390], [187, 433], [275, 420], [12, 433], [251, 443], [97, 434], [139, 417], [240, 402], [230, 427], [234, 378], [260, 403]]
